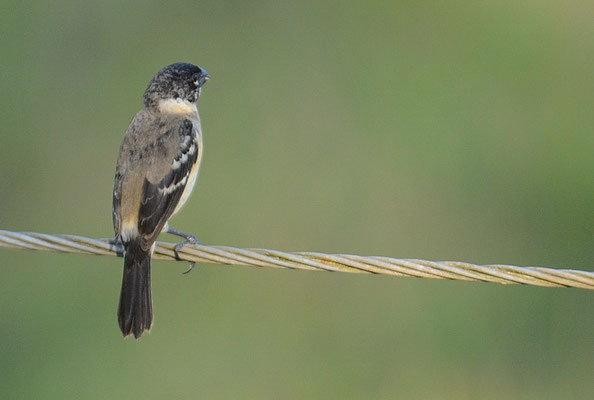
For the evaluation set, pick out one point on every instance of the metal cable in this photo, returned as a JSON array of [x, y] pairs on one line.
[[503, 274]]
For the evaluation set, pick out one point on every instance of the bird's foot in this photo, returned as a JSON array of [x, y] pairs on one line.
[[190, 239]]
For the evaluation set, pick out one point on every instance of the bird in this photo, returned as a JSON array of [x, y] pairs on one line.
[[155, 174]]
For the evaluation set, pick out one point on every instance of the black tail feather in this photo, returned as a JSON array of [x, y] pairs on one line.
[[135, 312]]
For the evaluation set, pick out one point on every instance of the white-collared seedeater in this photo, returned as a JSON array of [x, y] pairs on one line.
[[155, 174]]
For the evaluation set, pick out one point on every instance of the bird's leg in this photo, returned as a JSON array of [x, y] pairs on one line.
[[190, 239], [115, 242]]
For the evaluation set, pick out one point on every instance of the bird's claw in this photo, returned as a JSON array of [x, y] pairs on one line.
[[189, 240], [190, 268]]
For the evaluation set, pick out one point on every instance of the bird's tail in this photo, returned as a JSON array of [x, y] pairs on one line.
[[135, 312]]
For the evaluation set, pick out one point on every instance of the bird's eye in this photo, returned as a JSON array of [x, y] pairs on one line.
[[196, 79]]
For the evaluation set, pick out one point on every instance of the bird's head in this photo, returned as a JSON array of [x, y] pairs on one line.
[[176, 87]]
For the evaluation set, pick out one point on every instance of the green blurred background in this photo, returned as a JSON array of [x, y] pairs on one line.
[[441, 130]]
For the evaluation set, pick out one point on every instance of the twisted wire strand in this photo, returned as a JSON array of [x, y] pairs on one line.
[[503, 274]]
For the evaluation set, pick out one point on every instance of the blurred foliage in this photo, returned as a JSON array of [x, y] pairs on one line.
[[441, 130]]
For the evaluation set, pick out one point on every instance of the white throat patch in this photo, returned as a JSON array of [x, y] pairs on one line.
[[177, 106]]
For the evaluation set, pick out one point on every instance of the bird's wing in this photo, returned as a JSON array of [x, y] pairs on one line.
[[117, 203], [159, 198]]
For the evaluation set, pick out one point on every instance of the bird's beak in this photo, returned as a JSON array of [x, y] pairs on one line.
[[204, 78]]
